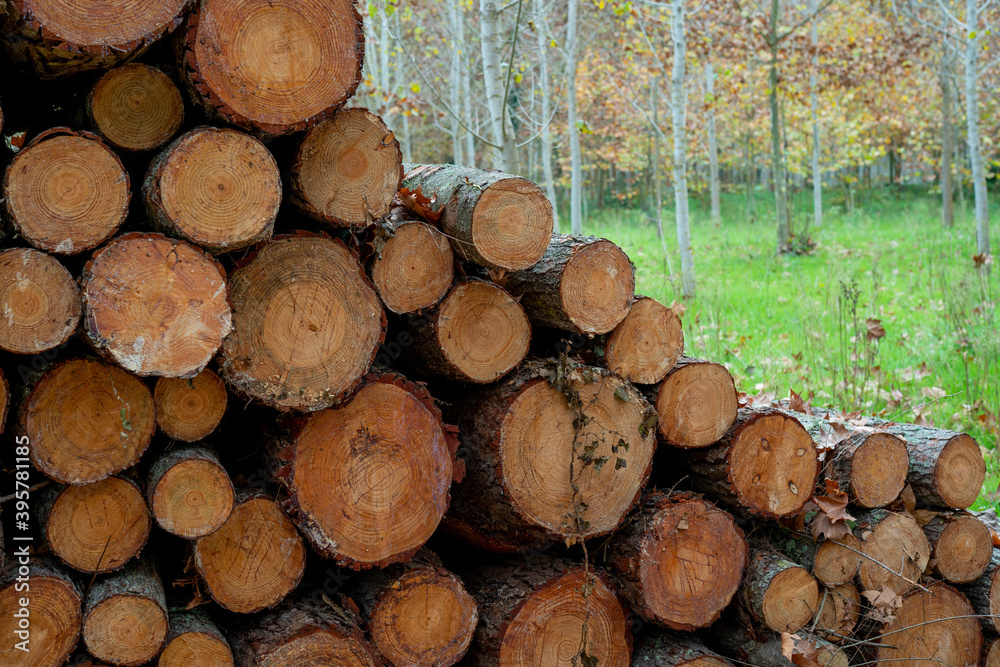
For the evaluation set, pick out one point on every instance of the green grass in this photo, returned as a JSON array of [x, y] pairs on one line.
[[781, 322]]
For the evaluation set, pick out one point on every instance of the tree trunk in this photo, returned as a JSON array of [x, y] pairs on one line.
[[217, 188], [678, 108], [972, 124], [307, 324], [173, 322], [135, 107], [678, 560], [190, 409], [347, 170], [895, 548], [505, 155], [646, 345], [961, 546], [546, 482], [81, 214], [390, 425], [471, 203], [581, 284], [314, 66], [659, 648], [40, 302], [545, 138], [777, 592], [695, 403], [86, 420], [478, 334], [777, 158], [576, 166], [817, 147], [713, 142], [194, 641], [984, 594], [931, 627], [125, 616], [414, 269], [190, 493], [45, 630], [455, 19], [947, 142], [766, 463]]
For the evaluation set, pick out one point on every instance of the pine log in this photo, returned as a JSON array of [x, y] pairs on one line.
[[832, 562], [524, 457], [696, 403], [581, 284], [189, 409], [678, 560], [125, 615], [40, 612], [39, 300], [54, 38], [255, 559], [763, 648], [418, 613], [135, 107], [97, 527], [984, 594], [494, 219], [766, 463], [217, 188], [66, 192], [479, 333], [272, 66], [932, 627], [646, 344], [194, 641], [991, 652], [961, 546], [86, 420], [190, 493], [838, 612], [155, 305], [533, 612], [307, 324], [347, 169], [658, 648], [895, 548], [777, 592], [367, 483], [414, 269]]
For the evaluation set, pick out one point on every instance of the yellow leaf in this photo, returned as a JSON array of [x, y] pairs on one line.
[[415, 87]]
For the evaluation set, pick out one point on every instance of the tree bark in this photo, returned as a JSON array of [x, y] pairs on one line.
[[190, 493], [415, 267], [760, 648], [576, 166], [777, 592], [39, 299], [713, 143], [505, 147], [984, 594], [678, 108], [44, 595], [932, 626], [190, 409], [972, 49], [961, 546], [194, 640], [659, 648], [545, 138], [135, 107], [696, 403]]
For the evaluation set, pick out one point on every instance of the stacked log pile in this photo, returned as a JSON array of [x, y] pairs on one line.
[[273, 397]]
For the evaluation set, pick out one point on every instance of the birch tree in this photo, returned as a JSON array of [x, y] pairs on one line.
[[576, 166], [713, 141], [546, 94], [678, 114], [496, 83], [817, 147], [455, 21]]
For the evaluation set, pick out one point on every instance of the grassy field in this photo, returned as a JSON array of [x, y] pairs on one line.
[[803, 322]]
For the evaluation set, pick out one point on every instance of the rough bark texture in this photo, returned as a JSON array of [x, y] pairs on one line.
[[646, 344], [984, 594], [696, 403], [777, 592], [581, 284], [414, 269], [932, 627], [39, 299], [678, 560], [659, 648], [46, 596], [194, 641], [135, 107], [991, 652], [189, 409], [961, 546], [190, 493], [760, 648], [494, 219], [897, 551], [523, 456]]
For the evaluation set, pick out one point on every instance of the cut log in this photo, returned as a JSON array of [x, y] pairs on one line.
[[533, 613], [190, 493], [273, 67], [766, 463], [678, 560], [777, 592], [367, 483], [763, 649], [932, 627], [189, 409], [895, 549], [531, 476], [414, 269], [194, 641], [307, 324], [217, 188], [580, 284], [303, 632], [991, 653], [54, 38], [479, 333], [40, 605], [98, 527], [125, 616], [66, 192], [255, 559], [961, 546], [838, 612], [657, 648], [984, 594], [646, 344], [87, 420], [155, 305], [696, 403], [347, 169], [494, 219], [39, 300], [832, 562], [135, 107], [418, 613]]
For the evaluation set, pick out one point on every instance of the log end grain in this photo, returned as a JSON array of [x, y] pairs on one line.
[[136, 107], [992, 653], [39, 300], [189, 409], [878, 470], [55, 618], [415, 268], [190, 493], [959, 472], [962, 548], [897, 542], [646, 344], [125, 618], [777, 592], [597, 287], [696, 404], [195, 649], [512, 223], [837, 561], [932, 627]]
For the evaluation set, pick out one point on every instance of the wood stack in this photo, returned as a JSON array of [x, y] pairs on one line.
[[335, 432]]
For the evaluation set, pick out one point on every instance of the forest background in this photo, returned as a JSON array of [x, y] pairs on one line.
[[806, 182]]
